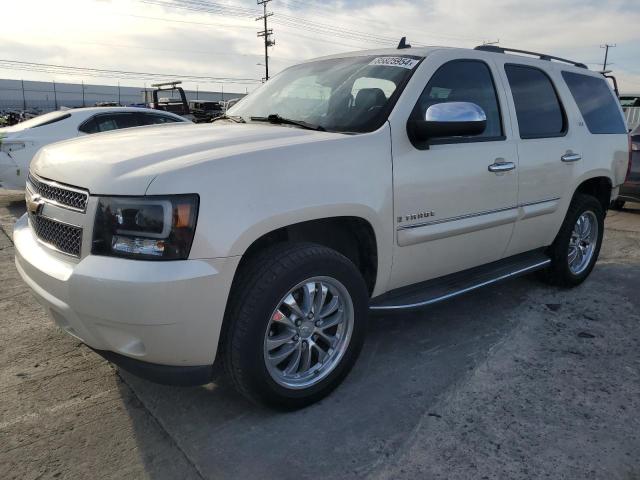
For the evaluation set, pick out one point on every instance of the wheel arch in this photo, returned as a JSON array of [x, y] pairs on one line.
[[352, 236], [598, 186]]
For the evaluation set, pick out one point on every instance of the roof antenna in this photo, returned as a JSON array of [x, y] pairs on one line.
[[403, 43]]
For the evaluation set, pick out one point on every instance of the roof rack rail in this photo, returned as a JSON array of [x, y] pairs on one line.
[[541, 56]]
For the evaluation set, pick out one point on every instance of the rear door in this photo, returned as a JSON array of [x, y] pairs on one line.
[[550, 151]]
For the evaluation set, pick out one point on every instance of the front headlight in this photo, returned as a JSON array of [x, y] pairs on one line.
[[146, 228]]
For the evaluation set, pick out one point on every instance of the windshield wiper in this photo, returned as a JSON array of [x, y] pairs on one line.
[[278, 120], [233, 118]]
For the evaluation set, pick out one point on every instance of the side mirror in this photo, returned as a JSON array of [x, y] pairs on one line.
[[449, 119]]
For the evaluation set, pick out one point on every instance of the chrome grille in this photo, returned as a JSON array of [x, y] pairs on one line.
[[58, 194], [59, 236]]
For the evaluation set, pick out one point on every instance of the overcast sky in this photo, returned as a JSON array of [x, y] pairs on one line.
[[133, 35]]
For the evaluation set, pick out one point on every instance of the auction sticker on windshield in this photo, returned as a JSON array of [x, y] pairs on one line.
[[402, 62]]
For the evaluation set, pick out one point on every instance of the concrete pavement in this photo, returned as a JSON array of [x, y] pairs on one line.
[[517, 381]]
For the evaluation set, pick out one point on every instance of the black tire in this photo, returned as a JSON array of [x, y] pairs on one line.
[[617, 204], [256, 292], [559, 272]]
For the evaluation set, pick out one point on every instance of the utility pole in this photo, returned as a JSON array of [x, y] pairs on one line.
[[118, 92], [606, 46], [266, 33]]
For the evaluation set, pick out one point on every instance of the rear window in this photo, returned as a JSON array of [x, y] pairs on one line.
[[46, 119], [538, 108], [596, 102]]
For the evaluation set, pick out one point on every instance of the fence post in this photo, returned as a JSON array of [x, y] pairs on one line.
[[24, 99], [55, 95]]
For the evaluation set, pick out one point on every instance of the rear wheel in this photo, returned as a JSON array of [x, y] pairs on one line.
[[296, 324], [576, 248]]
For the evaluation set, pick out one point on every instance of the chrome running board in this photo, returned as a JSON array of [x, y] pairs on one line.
[[450, 286]]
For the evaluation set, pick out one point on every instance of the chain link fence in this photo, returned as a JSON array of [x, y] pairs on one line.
[[49, 96]]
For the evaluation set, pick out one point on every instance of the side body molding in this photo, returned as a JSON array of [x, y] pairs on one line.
[[448, 227]]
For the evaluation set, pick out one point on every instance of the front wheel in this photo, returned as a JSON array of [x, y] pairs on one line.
[[296, 324], [575, 250]]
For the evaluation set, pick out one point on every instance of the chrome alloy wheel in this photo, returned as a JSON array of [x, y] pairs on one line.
[[309, 332], [582, 242]]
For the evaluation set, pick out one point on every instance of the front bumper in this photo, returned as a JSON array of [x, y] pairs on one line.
[[165, 313]]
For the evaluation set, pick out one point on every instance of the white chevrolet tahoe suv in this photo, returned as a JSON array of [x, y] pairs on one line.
[[371, 181]]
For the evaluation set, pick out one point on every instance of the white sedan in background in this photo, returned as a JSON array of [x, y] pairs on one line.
[[19, 143]]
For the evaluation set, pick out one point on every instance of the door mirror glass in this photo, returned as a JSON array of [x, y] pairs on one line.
[[450, 119]]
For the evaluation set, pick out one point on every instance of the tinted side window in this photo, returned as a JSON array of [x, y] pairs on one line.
[[154, 119], [596, 103], [116, 121], [463, 81], [537, 105]]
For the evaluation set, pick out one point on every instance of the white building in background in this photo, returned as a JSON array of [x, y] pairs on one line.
[[48, 96]]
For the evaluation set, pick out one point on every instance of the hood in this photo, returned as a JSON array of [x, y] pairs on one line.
[[126, 161]]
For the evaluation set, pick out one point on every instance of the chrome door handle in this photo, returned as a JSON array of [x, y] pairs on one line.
[[571, 157], [500, 167]]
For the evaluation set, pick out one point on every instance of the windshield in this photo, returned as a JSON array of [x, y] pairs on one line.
[[354, 94]]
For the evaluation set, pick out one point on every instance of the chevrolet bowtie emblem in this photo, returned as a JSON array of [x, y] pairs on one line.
[[34, 203]]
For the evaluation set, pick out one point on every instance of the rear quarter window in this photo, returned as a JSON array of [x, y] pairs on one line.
[[596, 102], [46, 119]]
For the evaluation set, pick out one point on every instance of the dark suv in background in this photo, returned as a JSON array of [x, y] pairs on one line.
[[630, 191]]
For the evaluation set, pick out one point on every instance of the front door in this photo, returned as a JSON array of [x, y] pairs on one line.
[[452, 212]]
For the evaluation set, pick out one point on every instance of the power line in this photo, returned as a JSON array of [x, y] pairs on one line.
[[324, 8], [200, 6], [138, 47], [296, 22], [190, 22], [104, 73], [289, 20], [247, 27]]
